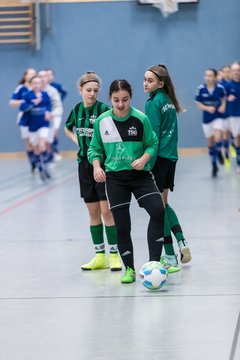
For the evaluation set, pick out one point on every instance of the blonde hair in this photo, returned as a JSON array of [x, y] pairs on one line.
[[89, 76]]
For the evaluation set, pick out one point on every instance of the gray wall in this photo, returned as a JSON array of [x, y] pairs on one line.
[[120, 40]]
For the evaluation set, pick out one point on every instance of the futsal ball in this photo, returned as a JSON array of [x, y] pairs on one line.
[[153, 275]]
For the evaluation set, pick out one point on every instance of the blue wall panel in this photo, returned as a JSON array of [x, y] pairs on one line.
[[120, 40]]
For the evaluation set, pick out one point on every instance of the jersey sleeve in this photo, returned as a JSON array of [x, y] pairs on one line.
[[198, 94], [57, 108], [104, 108], [62, 91], [71, 120], [223, 92], [153, 114], [17, 94], [150, 140], [48, 103], [26, 104], [96, 149]]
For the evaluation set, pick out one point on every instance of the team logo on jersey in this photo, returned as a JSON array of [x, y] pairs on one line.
[[92, 119], [120, 148], [167, 107], [132, 131], [88, 132]]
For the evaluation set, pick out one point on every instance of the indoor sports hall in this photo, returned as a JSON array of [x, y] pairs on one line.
[[50, 309]]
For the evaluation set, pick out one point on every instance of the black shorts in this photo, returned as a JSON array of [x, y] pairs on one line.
[[120, 186], [90, 190], [164, 173]]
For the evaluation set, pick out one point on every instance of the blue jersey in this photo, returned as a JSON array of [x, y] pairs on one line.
[[234, 106], [34, 115], [18, 94], [226, 85], [208, 98], [60, 89]]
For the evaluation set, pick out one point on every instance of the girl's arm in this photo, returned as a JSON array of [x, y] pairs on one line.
[[98, 173], [26, 104], [14, 103], [200, 99], [71, 135], [141, 162], [70, 125], [153, 114], [201, 106], [150, 142], [222, 107], [96, 149]]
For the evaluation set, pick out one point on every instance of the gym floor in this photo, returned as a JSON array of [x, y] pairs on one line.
[[51, 310]]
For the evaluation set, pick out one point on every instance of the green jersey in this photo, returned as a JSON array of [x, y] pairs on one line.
[[162, 114], [82, 120], [120, 141]]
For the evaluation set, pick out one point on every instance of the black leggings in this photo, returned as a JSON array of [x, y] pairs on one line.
[[145, 191]]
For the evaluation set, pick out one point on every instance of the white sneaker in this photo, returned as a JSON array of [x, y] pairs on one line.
[[184, 251], [169, 259], [57, 157]]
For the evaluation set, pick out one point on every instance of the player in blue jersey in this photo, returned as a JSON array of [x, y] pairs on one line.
[[234, 108], [62, 91], [211, 99], [36, 107], [225, 81], [15, 101], [57, 111]]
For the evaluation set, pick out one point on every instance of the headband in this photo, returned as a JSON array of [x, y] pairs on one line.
[[155, 74], [85, 82]]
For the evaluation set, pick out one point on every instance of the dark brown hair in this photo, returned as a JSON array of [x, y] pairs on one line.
[[163, 75], [23, 79], [118, 85], [214, 71]]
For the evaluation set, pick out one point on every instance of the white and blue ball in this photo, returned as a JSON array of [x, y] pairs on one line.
[[153, 275]]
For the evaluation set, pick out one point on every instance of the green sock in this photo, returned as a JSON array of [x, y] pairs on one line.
[[174, 223], [168, 243], [111, 238], [97, 238]]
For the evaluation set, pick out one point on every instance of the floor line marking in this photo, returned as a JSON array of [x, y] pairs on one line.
[[235, 339], [36, 196], [32, 189], [113, 297]]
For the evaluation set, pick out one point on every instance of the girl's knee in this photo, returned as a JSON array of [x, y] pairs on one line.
[[107, 215]]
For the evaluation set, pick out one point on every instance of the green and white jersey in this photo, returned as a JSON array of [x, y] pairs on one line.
[[120, 141], [82, 120], [162, 114]]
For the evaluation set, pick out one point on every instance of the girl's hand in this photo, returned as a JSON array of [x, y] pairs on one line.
[[211, 109], [99, 174], [138, 164], [37, 100], [47, 115], [221, 109], [231, 98]]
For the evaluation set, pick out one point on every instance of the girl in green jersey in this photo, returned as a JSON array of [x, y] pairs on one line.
[[79, 127], [124, 139], [162, 107]]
